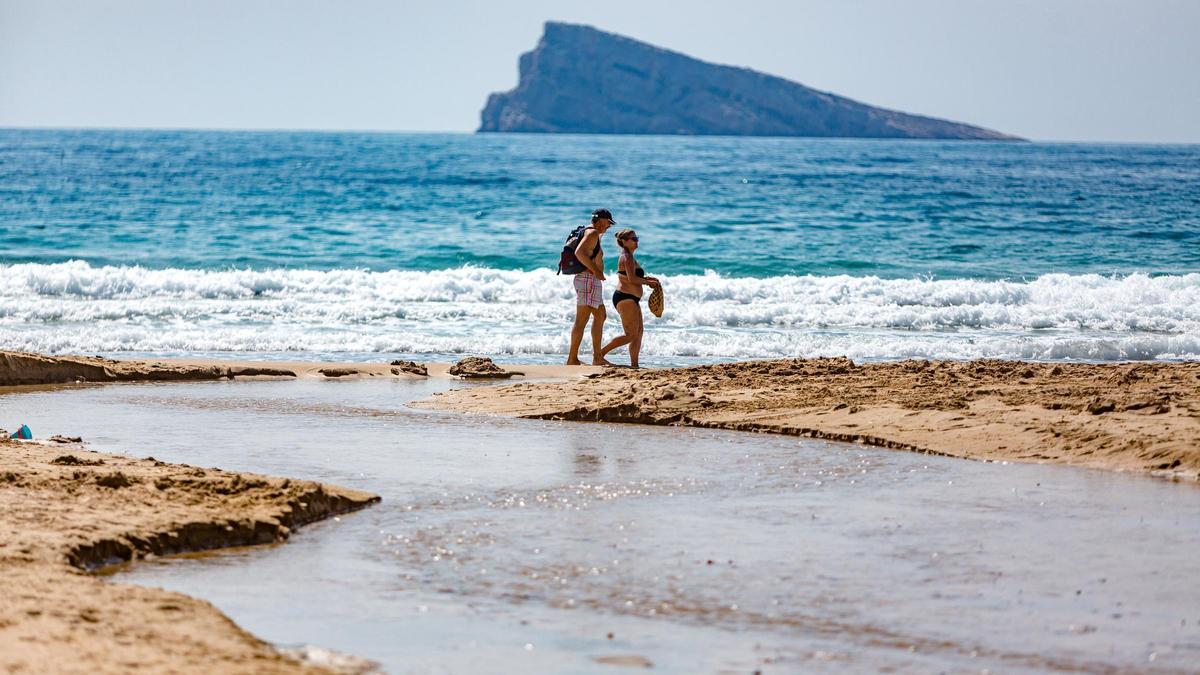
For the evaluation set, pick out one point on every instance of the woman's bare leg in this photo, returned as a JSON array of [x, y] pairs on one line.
[[615, 343], [628, 310], [635, 342]]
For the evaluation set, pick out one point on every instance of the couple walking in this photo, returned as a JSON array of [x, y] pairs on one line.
[[584, 252]]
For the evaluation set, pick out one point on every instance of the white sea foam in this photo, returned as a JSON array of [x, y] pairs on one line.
[[75, 307]]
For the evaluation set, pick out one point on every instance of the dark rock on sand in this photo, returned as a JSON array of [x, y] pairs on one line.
[[409, 367], [477, 367], [337, 372], [116, 480], [72, 460], [58, 438], [582, 80]]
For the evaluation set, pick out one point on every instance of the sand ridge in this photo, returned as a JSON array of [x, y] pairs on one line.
[[65, 510], [1128, 416]]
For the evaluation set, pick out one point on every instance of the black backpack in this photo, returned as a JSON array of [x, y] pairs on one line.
[[568, 262]]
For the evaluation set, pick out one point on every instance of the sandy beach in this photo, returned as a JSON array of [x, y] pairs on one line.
[[65, 511], [1127, 417]]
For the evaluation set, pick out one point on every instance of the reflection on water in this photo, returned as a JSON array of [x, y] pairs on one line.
[[509, 544]]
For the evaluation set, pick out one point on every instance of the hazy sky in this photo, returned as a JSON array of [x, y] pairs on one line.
[[1045, 69]]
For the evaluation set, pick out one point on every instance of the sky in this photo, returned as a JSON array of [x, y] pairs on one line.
[[1069, 70]]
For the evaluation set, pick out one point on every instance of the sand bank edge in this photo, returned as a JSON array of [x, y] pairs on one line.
[[1135, 416], [68, 511]]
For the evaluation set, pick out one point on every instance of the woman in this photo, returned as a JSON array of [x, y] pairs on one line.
[[628, 297]]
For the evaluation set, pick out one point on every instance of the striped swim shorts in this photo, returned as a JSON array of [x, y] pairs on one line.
[[589, 290]]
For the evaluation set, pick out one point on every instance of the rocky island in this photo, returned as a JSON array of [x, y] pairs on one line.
[[582, 80]]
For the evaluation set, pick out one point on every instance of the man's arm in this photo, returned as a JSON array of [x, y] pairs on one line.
[[584, 252]]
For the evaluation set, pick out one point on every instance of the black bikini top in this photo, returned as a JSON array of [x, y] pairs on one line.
[[639, 271]]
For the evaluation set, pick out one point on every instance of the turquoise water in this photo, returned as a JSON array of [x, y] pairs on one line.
[[349, 245], [741, 207]]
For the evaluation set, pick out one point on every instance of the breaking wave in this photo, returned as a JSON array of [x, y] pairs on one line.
[[76, 307]]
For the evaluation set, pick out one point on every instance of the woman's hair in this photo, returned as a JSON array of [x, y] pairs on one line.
[[621, 236]]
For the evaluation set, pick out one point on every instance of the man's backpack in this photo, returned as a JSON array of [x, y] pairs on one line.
[[568, 262]]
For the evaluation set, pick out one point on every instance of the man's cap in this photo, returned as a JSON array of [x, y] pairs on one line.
[[603, 213]]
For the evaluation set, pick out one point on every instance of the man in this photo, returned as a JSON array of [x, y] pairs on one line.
[[589, 289]]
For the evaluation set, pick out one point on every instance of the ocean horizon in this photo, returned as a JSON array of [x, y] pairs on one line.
[[359, 245]]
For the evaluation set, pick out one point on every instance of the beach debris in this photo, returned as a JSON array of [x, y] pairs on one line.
[[255, 371], [115, 480], [479, 367], [409, 367], [72, 460], [337, 372], [57, 438], [626, 660]]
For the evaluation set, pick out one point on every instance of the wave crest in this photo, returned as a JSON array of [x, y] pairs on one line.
[[74, 306]]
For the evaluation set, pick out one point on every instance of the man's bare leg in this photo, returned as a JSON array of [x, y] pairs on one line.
[[582, 312], [598, 317]]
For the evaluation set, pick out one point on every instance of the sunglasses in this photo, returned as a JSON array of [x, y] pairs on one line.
[[630, 238]]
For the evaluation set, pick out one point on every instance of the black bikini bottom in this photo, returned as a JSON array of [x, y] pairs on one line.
[[618, 296]]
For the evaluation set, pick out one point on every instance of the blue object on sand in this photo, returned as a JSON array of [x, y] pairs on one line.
[[23, 433]]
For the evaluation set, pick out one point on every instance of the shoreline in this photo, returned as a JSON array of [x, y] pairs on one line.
[[67, 512], [1138, 417], [25, 369], [1127, 416]]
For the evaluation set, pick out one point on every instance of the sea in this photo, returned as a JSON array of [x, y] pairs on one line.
[[504, 545], [366, 246]]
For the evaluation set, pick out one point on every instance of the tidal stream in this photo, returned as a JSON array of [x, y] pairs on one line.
[[508, 545]]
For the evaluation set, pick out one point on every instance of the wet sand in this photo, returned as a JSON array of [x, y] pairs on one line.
[[1141, 417], [496, 534], [65, 511]]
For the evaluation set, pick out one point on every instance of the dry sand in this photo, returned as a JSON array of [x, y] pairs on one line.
[[64, 510], [1130, 416]]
